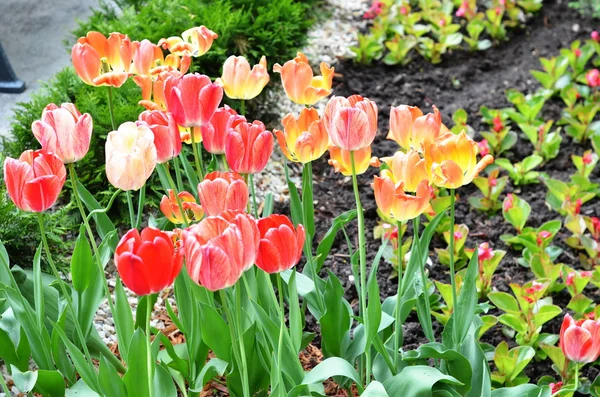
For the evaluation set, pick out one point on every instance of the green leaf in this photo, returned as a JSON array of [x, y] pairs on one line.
[[123, 319], [329, 237], [527, 390], [103, 223], [109, 379], [24, 381], [295, 316], [59, 354], [295, 202], [504, 302], [38, 288], [49, 383], [308, 207], [417, 381], [375, 389], [545, 314], [138, 375], [189, 172], [163, 383], [215, 332], [80, 389], [333, 366], [215, 367], [82, 267], [467, 300], [513, 321], [336, 322]]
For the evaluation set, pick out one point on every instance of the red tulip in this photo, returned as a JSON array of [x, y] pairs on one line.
[[220, 248], [280, 245], [166, 134], [35, 180], [215, 132], [248, 147], [220, 191], [192, 99], [580, 340], [64, 131], [148, 263], [351, 122]]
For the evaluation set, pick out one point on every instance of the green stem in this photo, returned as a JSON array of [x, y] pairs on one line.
[[4, 385], [398, 330], [177, 198], [149, 307], [240, 330], [242, 107], [197, 158], [63, 289], [131, 212], [101, 210], [110, 108], [423, 276], [232, 328], [253, 193], [362, 266], [575, 387], [452, 275], [178, 175], [282, 323], [142, 199], [225, 165]]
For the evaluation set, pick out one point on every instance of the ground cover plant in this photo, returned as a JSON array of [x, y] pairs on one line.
[[246, 312]]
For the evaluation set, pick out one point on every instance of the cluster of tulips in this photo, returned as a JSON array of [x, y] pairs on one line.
[[222, 235]]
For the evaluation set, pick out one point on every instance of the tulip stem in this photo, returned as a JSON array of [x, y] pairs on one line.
[[417, 252], [197, 156], [110, 108], [240, 329], [398, 331], [362, 268], [242, 107], [142, 199], [177, 198], [253, 192], [282, 324], [131, 212], [452, 275], [149, 307], [232, 333], [63, 289], [178, 175], [225, 165], [103, 210], [575, 387]]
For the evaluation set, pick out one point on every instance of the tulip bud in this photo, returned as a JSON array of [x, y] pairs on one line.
[[280, 245]]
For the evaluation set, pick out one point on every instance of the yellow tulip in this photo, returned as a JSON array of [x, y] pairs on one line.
[[340, 160], [393, 202], [407, 167], [305, 138], [241, 82]]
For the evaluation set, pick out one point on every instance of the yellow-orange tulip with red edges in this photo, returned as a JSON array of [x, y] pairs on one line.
[[170, 208], [411, 129], [194, 41], [299, 82], [407, 167], [340, 160], [452, 160], [241, 82], [393, 202], [153, 94], [303, 139]]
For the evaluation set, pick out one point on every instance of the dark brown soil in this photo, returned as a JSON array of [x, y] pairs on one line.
[[484, 77]]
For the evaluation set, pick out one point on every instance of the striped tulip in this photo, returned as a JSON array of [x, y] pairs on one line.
[[580, 340], [248, 147], [299, 83], [192, 99], [280, 245], [351, 122], [221, 191], [239, 82], [341, 162], [166, 134], [214, 133]]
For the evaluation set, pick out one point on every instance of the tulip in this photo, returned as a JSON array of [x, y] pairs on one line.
[[340, 160], [153, 92], [239, 82], [452, 160], [220, 248], [145, 57], [580, 340], [407, 167], [170, 208], [101, 61], [221, 191], [35, 180], [248, 147], [351, 122], [130, 155], [402, 119], [194, 41], [150, 261], [298, 81], [214, 133], [593, 78], [393, 202], [64, 131], [280, 245], [166, 134], [192, 99], [305, 138]]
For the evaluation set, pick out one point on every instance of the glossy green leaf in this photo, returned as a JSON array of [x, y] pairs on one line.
[[215, 367], [24, 381], [82, 266], [163, 385], [327, 241], [467, 301], [418, 381], [49, 383], [110, 381], [333, 366], [504, 301], [138, 376]]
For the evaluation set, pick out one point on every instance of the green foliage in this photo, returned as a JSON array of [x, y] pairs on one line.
[[587, 8]]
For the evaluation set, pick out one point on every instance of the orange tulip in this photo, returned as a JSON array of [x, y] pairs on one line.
[[170, 208], [130, 156], [340, 160], [248, 147], [351, 122], [299, 83], [153, 90], [64, 131], [580, 340], [222, 191], [280, 245], [407, 167], [393, 201], [239, 82], [194, 41], [192, 99], [304, 138], [102, 61], [452, 160], [35, 180], [166, 134], [220, 248], [411, 129], [214, 133]]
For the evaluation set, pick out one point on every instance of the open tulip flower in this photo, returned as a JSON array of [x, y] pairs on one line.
[[239, 82], [220, 248], [407, 167], [340, 160], [192, 99], [130, 155], [280, 245], [248, 147], [452, 160], [64, 131], [166, 134], [170, 208], [153, 94], [303, 139], [101, 61], [150, 261], [351, 122], [35, 180], [215, 132], [221, 191], [411, 129], [580, 340], [393, 202], [299, 83], [194, 41]]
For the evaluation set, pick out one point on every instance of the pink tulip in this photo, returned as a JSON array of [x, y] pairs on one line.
[[221, 191], [351, 122], [248, 147], [580, 340], [280, 244], [214, 133], [192, 99], [166, 134]]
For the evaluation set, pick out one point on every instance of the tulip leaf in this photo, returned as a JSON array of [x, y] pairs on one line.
[[308, 207], [123, 319], [215, 367], [138, 375], [163, 383], [336, 322], [295, 202], [375, 389], [38, 288], [333, 366], [467, 300], [109, 379], [49, 383], [59, 353], [527, 390], [82, 267], [215, 332], [80, 389], [103, 223], [420, 381], [295, 317], [24, 381], [189, 172], [327, 241]]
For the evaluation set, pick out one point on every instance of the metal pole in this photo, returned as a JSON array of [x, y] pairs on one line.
[[9, 83]]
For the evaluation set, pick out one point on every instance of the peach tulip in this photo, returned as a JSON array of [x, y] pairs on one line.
[[580, 340], [35, 180], [248, 147], [220, 248], [221, 191], [299, 83], [64, 131], [351, 122], [411, 129], [130, 156], [153, 90], [393, 202], [192, 99], [305, 138], [214, 133], [102, 61], [194, 41], [150, 261], [452, 160], [280, 245], [166, 134], [239, 82], [170, 208], [340, 160], [407, 167]]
